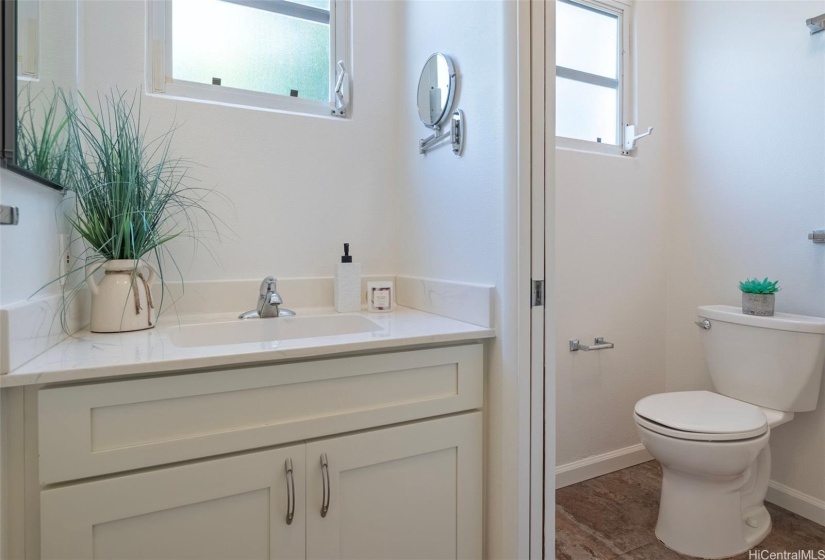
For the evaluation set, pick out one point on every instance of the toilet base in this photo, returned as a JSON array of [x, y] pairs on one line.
[[706, 520], [753, 536], [713, 493]]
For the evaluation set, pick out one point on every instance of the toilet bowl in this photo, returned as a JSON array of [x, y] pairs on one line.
[[713, 446], [715, 468]]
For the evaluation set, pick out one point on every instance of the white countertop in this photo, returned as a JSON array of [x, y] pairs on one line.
[[88, 356]]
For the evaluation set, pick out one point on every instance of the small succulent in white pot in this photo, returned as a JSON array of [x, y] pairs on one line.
[[759, 296]]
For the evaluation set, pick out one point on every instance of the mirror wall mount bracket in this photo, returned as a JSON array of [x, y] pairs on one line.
[[456, 134]]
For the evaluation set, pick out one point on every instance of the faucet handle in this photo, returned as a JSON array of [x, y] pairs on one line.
[[269, 284]]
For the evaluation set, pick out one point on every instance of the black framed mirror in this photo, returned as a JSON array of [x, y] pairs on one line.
[[38, 66], [7, 86]]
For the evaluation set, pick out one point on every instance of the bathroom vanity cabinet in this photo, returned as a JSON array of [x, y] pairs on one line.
[[385, 454]]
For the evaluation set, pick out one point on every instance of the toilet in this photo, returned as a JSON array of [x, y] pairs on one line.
[[713, 446]]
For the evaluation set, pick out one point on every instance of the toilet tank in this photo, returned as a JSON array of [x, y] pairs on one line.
[[775, 362]]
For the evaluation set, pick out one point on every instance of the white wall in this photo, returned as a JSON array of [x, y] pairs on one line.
[[747, 184], [28, 251], [610, 267], [300, 186], [451, 209]]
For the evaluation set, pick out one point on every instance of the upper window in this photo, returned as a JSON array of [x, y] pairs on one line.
[[280, 54], [590, 70]]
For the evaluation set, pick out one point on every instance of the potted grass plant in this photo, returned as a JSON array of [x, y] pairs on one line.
[[130, 198], [758, 296]]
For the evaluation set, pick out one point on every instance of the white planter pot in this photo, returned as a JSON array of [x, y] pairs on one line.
[[122, 300]]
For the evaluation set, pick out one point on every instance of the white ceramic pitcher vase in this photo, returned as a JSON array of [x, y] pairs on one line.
[[122, 300]]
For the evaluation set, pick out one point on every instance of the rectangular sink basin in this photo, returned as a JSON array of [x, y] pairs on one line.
[[270, 330]]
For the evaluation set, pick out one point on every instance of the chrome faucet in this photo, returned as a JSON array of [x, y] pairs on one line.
[[269, 302]]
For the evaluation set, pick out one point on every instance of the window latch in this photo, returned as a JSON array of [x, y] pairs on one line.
[[341, 91], [630, 138]]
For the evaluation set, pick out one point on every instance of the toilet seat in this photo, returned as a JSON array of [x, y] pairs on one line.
[[700, 416], [695, 436]]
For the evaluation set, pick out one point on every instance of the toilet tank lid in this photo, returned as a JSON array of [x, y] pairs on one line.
[[703, 412], [780, 321]]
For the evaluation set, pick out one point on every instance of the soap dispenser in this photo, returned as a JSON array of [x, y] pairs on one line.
[[347, 291]]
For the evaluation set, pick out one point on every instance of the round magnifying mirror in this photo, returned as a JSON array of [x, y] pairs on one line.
[[436, 89]]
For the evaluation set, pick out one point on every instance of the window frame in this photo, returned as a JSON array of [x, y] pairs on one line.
[[160, 82], [625, 108]]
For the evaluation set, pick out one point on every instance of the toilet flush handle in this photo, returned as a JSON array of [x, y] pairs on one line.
[[703, 324]]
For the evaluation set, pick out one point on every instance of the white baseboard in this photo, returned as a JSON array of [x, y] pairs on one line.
[[591, 467], [796, 502]]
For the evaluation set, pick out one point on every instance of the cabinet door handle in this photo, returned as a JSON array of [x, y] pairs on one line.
[[325, 483], [290, 492]]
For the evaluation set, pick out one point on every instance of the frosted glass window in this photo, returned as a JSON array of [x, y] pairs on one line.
[[586, 111], [587, 40], [589, 70], [251, 49]]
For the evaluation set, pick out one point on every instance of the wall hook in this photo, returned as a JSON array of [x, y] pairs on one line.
[[816, 24], [817, 236]]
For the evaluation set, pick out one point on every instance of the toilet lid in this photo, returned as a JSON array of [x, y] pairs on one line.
[[703, 412]]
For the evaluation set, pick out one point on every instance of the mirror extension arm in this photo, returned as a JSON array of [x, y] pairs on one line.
[[456, 134], [431, 140]]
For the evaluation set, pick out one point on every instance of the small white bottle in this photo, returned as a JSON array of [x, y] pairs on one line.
[[347, 291]]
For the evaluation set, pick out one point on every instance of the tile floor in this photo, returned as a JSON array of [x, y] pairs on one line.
[[614, 516]]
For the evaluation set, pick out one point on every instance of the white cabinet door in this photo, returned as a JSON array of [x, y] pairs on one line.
[[407, 492], [232, 508]]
